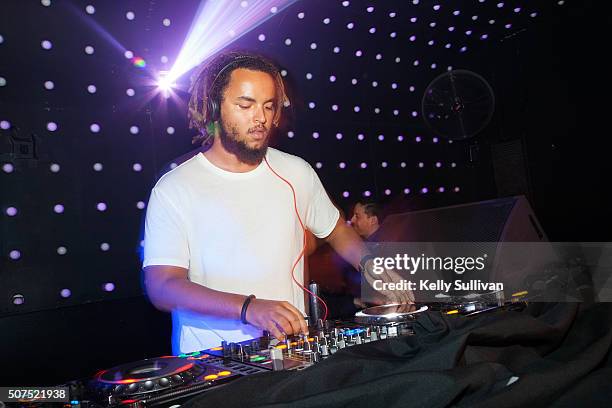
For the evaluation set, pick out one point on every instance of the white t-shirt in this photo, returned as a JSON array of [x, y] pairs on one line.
[[234, 232]]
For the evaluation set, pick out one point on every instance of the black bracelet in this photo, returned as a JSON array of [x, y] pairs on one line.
[[364, 260], [244, 308]]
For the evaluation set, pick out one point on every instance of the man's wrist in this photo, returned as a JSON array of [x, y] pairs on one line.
[[366, 263], [245, 306]]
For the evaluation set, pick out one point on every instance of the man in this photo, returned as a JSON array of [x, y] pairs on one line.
[[222, 236], [366, 219]]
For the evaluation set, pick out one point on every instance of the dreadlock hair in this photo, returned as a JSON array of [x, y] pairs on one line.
[[211, 79]]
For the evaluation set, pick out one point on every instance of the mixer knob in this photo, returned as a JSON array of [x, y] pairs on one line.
[[324, 350], [277, 359], [164, 382], [255, 345], [358, 340], [177, 378], [149, 385], [118, 389], [374, 336], [316, 357], [341, 343], [133, 387]]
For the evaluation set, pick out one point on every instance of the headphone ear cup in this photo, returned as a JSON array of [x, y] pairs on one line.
[[212, 110]]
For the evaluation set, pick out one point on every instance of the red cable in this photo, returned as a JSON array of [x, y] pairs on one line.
[[304, 247]]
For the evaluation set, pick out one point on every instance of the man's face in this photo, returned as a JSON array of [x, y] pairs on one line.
[[361, 222], [247, 112]]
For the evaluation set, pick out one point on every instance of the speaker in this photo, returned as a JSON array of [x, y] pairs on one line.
[[496, 227], [508, 219]]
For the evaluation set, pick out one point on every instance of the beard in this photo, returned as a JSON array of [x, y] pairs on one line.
[[230, 141]]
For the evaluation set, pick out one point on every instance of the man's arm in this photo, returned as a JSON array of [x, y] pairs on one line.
[[349, 245], [169, 288]]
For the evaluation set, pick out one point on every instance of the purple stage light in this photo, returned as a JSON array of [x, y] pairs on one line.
[[11, 211], [65, 293], [108, 287], [213, 21]]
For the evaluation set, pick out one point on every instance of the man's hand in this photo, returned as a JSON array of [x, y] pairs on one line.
[[388, 275], [279, 318]]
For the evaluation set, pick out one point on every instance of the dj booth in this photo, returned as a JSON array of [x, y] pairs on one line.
[[480, 352], [518, 355]]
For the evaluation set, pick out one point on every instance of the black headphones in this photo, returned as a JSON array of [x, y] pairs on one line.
[[213, 110]]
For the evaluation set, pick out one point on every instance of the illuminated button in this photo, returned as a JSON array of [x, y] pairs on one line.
[[281, 346], [452, 312], [224, 373], [216, 348], [211, 377], [255, 359]]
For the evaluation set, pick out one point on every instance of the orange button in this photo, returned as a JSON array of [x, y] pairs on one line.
[[224, 373], [281, 346], [217, 348], [211, 377]]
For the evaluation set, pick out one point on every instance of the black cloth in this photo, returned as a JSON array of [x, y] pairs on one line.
[[554, 355]]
